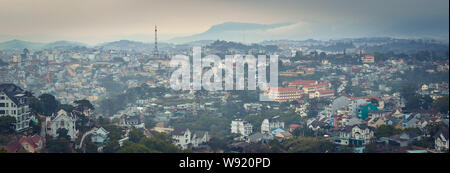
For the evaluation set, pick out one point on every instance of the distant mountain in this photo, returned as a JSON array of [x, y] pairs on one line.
[[19, 44], [124, 44], [134, 45], [64, 44], [230, 31]]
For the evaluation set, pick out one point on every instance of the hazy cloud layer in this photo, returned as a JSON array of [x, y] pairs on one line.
[[95, 21]]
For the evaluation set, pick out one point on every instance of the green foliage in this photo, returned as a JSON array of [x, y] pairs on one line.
[[433, 128], [91, 147], [218, 144], [49, 104], [136, 135], [111, 147], [115, 132], [3, 150], [371, 148], [3, 140], [82, 105], [62, 133], [441, 104], [36, 127], [112, 105], [305, 131], [149, 123], [426, 142], [386, 131], [308, 145], [131, 147], [356, 91], [216, 126], [66, 107], [158, 145], [59, 145], [418, 102], [6, 124]]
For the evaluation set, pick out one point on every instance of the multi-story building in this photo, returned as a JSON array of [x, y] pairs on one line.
[[300, 83], [280, 94], [272, 123], [241, 127], [322, 93], [13, 103], [368, 59], [313, 88]]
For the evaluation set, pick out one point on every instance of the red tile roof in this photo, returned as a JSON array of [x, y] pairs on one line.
[[13, 147], [281, 89], [356, 98], [293, 126], [326, 91], [16, 146], [314, 86], [303, 82]]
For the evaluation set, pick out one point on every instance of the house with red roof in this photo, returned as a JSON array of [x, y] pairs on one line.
[[32, 144], [313, 88], [292, 127], [368, 59], [324, 93], [300, 83]]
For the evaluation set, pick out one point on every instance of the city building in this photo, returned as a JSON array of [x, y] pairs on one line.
[[184, 138], [356, 135], [280, 94], [61, 120], [241, 127], [13, 103], [300, 83], [270, 124], [368, 59], [100, 136]]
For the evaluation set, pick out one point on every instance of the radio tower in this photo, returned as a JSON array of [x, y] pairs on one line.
[[156, 42]]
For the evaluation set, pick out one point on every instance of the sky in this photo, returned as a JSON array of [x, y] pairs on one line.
[[96, 21]]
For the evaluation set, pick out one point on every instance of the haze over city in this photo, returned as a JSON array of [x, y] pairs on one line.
[[94, 22], [225, 76]]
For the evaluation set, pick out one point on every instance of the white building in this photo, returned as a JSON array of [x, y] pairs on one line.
[[13, 103], [356, 135], [302, 110], [441, 141], [252, 107], [269, 124], [100, 136], [62, 120], [241, 127], [184, 138]]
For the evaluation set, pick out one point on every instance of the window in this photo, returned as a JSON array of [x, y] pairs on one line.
[[2, 105], [2, 111], [2, 97]]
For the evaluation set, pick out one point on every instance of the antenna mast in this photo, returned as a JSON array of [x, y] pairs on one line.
[[156, 41]]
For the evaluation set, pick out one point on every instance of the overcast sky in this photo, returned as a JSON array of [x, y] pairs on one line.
[[94, 21]]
